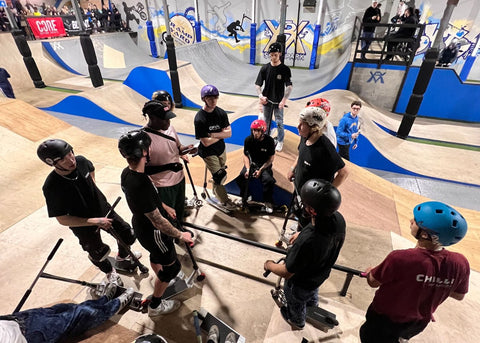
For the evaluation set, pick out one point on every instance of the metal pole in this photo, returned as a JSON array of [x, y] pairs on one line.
[[172, 59], [150, 32], [198, 28], [425, 74], [87, 48], [281, 36], [25, 51]]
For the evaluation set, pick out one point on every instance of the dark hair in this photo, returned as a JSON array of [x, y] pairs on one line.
[[356, 102]]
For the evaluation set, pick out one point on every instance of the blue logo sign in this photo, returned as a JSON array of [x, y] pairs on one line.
[[376, 76]]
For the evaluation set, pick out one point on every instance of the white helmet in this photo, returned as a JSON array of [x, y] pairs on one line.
[[314, 116]]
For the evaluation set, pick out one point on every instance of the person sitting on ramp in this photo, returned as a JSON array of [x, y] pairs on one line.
[[258, 156]]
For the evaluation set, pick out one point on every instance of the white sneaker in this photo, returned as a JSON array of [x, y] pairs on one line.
[[180, 275], [125, 298], [213, 334], [137, 254], [279, 146], [113, 277], [166, 306], [268, 207]]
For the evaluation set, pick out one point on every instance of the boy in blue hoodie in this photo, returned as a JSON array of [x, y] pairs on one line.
[[347, 131]]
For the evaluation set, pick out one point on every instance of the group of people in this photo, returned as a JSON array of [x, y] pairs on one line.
[[405, 15], [154, 186]]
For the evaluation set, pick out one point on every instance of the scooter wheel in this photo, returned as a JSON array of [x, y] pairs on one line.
[[199, 203], [331, 320]]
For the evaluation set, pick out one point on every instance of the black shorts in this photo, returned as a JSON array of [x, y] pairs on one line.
[[160, 246]]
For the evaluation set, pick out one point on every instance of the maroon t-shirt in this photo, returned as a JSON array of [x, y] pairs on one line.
[[415, 281]]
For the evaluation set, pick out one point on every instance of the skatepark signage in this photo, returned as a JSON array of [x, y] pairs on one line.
[[46, 27]]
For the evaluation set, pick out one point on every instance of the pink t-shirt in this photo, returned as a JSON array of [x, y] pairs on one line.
[[164, 151], [415, 281]]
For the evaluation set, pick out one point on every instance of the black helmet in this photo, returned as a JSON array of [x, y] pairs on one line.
[[322, 196], [132, 144], [162, 96], [275, 47], [53, 150], [150, 338]]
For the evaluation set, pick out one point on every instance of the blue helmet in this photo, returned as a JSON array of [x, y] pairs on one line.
[[209, 90], [441, 220]]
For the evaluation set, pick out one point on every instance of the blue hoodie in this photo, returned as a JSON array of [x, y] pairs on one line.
[[347, 126]]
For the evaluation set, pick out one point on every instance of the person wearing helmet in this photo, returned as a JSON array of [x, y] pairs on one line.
[[153, 231], [164, 166], [414, 282], [165, 98], [348, 130], [74, 199], [211, 128], [258, 156], [313, 251], [276, 78], [317, 157], [328, 130]]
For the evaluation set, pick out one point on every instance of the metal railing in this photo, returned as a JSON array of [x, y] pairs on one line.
[[349, 271]]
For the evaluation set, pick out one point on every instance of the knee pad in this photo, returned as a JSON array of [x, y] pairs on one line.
[[169, 272], [219, 176], [99, 255]]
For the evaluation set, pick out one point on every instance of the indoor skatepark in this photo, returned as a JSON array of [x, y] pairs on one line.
[[377, 212]]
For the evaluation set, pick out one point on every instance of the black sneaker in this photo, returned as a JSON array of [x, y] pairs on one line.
[[284, 312]]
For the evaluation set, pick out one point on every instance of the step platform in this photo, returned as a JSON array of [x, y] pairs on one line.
[[209, 319]]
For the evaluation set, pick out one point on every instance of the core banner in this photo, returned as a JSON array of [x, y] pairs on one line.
[[46, 27]]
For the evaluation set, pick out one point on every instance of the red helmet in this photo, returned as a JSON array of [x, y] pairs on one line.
[[320, 102], [259, 124]]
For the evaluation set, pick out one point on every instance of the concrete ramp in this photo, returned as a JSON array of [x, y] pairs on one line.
[[116, 53], [231, 75]]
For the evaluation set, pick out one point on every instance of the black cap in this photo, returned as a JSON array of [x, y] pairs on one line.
[[157, 109]]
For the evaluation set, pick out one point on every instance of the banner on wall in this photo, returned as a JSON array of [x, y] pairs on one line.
[[47, 27]]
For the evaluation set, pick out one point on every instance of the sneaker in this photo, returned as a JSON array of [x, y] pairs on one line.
[[137, 254], [229, 205], [125, 298], [166, 306], [268, 207], [213, 334], [110, 291], [113, 277], [284, 312], [230, 338], [279, 146], [180, 275]]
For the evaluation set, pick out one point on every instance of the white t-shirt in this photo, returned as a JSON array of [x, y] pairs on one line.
[[329, 132], [10, 332]]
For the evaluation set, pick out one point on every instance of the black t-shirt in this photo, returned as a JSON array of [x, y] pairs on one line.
[[317, 161], [276, 79], [75, 194], [315, 251], [142, 196], [260, 151], [206, 123]]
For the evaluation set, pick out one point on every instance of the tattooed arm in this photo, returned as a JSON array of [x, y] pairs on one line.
[[164, 225]]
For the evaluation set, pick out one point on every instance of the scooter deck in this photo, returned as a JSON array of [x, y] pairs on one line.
[[218, 206], [123, 267], [321, 318], [208, 320]]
